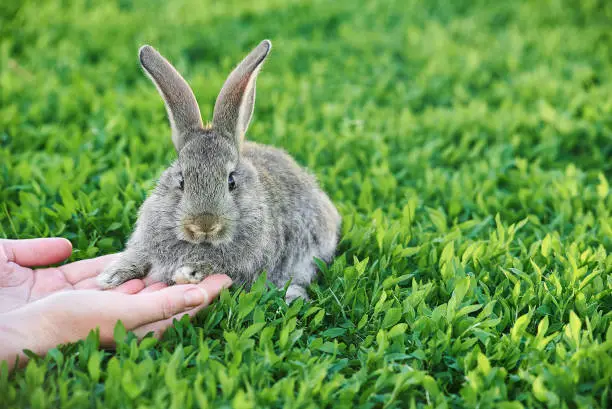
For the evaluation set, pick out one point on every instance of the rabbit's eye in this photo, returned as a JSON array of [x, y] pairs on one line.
[[181, 181], [231, 182]]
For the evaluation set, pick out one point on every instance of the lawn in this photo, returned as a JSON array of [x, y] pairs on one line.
[[467, 145]]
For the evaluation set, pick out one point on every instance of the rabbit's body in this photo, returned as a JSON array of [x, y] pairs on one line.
[[273, 216]]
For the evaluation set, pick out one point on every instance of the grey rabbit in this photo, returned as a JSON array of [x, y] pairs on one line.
[[226, 205]]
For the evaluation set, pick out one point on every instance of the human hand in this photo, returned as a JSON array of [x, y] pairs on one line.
[[20, 285], [37, 310]]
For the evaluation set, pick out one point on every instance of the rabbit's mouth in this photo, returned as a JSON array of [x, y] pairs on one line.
[[205, 229]]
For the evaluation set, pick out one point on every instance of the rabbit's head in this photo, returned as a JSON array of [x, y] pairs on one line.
[[210, 184]]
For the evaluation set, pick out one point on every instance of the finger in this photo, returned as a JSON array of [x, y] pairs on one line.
[[134, 286], [129, 287], [35, 252], [84, 269], [149, 280], [166, 303], [158, 328], [153, 287], [87, 284]]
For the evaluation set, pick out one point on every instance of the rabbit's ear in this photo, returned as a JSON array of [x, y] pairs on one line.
[[234, 106], [181, 104]]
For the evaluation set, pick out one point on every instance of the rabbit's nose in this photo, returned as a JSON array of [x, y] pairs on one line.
[[204, 224]]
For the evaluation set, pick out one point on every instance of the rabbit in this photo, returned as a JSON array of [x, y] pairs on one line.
[[226, 205]]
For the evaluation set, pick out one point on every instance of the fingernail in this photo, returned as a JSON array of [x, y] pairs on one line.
[[227, 283], [195, 296]]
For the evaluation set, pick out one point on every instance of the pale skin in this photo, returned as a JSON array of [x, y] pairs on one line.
[[42, 308]]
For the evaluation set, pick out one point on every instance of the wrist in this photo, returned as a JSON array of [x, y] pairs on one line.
[[19, 332], [12, 339]]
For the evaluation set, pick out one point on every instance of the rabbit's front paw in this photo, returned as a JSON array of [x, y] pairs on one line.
[[114, 276], [188, 275]]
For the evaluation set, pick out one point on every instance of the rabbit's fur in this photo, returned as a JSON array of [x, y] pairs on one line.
[[226, 205]]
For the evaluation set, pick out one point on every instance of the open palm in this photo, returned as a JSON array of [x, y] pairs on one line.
[[42, 308], [20, 284]]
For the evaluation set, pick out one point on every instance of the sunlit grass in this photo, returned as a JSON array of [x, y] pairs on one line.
[[467, 146]]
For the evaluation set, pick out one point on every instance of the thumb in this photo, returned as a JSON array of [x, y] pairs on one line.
[[34, 252]]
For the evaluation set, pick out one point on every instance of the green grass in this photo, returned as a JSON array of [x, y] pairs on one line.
[[468, 147]]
